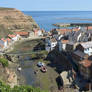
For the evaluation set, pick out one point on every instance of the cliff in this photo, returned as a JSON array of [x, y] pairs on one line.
[[14, 20]]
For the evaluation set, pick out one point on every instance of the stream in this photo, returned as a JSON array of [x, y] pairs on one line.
[[27, 71]]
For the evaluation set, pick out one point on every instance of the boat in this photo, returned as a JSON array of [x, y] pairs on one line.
[[43, 69], [40, 64], [19, 68]]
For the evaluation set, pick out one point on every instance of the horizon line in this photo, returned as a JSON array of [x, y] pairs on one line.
[[58, 10]]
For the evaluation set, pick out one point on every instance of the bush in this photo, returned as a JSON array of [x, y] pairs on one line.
[[6, 88], [4, 62], [33, 55]]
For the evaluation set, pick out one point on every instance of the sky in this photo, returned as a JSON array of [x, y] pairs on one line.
[[48, 5]]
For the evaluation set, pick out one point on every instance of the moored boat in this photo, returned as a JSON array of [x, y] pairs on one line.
[[43, 69], [40, 64]]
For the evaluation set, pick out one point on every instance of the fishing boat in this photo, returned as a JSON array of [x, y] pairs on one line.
[[43, 69]]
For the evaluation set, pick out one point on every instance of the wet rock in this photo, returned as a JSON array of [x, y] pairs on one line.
[[12, 78]]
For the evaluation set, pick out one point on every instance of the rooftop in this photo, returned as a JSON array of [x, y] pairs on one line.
[[63, 31], [3, 40], [11, 36], [87, 44], [79, 53], [64, 41], [86, 63], [22, 33]]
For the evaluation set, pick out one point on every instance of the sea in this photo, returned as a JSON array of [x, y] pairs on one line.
[[46, 19]]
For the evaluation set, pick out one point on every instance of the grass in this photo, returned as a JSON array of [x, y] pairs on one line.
[[4, 31], [2, 8], [26, 46], [47, 80]]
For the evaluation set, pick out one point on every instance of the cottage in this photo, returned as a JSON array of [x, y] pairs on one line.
[[53, 43], [23, 34], [64, 44], [3, 43], [76, 28], [71, 46], [38, 32], [9, 41], [31, 34], [78, 56], [63, 31], [86, 69], [14, 37], [85, 47], [50, 43], [89, 28]]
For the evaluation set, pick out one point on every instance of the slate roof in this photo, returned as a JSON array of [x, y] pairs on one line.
[[79, 53], [86, 44]]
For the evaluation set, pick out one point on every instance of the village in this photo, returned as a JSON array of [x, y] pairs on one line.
[[7, 42], [75, 45]]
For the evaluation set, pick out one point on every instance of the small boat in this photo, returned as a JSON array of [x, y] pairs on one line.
[[40, 64], [43, 69], [19, 69]]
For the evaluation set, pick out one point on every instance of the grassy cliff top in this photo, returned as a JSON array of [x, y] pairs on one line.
[[2, 8], [15, 20]]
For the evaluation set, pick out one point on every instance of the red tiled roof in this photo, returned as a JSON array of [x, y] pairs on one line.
[[62, 31], [90, 27], [8, 39], [22, 33], [64, 41], [3, 39], [11, 36], [75, 29], [86, 63]]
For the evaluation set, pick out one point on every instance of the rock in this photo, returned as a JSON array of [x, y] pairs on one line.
[[66, 79], [12, 58], [12, 79]]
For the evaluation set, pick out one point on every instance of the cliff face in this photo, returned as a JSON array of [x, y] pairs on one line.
[[14, 20]]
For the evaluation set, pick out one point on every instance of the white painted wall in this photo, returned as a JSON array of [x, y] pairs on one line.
[[64, 46], [16, 38], [5, 44], [79, 37], [88, 51], [53, 44], [40, 33]]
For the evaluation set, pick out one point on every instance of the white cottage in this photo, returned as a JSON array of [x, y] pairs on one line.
[[85, 47], [53, 43], [50, 43], [14, 37], [62, 45], [3, 43]]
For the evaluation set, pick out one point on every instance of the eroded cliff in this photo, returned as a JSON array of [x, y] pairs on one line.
[[14, 20]]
